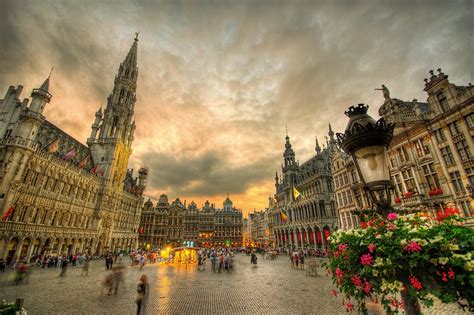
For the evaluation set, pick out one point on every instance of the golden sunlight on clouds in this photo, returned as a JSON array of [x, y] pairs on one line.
[[218, 81]]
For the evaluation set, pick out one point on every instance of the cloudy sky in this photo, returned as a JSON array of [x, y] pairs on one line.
[[219, 80]]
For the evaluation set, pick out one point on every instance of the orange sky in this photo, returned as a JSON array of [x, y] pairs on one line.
[[218, 81]]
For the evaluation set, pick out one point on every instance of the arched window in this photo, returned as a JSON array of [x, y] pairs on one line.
[[322, 208]]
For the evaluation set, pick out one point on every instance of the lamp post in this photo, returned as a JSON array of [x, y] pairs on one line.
[[366, 141]]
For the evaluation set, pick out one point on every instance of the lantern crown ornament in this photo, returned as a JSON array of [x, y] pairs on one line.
[[362, 130], [366, 141]]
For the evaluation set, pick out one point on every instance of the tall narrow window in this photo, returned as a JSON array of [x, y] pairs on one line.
[[457, 182], [447, 155], [443, 102], [431, 176]]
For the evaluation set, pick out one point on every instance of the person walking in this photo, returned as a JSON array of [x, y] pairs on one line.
[[142, 261], [142, 292], [85, 266], [64, 263]]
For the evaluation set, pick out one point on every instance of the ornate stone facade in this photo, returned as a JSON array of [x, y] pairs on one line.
[[58, 196], [312, 216], [431, 154], [176, 224]]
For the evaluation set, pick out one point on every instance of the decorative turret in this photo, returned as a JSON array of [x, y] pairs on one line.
[[40, 97], [227, 204], [95, 125]]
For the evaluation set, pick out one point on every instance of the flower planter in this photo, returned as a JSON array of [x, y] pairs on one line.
[[435, 192], [407, 256], [398, 200], [408, 194]]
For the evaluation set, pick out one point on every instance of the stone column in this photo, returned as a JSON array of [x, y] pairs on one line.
[[315, 239], [296, 238], [323, 238]]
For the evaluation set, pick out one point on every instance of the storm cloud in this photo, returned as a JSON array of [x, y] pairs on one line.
[[219, 80]]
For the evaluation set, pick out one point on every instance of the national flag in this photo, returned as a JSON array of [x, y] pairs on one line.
[[283, 215], [296, 193], [71, 154], [8, 213], [53, 146], [84, 161]]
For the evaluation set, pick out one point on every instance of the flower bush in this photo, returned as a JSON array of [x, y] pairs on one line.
[[405, 254]]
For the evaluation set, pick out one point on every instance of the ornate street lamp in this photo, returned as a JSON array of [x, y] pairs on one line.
[[366, 141]]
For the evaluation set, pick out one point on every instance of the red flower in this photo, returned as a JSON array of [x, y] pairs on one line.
[[398, 200], [413, 247], [338, 273], [446, 213], [366, 259], [363, 225], [357, 281], [334, 292], [451, 273], [415, 283], [349, 307]]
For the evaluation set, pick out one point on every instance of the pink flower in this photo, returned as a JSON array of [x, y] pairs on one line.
[[413, 247], [342, 247], [371, 248], [367, 287], [366, 259], [392, 216], [391, 227]]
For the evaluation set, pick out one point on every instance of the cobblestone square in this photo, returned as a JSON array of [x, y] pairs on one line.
[[271, 287]]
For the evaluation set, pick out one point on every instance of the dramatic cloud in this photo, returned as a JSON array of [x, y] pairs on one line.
[[219, 80]]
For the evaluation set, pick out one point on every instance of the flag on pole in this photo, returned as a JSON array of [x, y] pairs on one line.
[[71, 154], [84, 161], [8, 213], [283, 215], [53, 146], [296, 193]]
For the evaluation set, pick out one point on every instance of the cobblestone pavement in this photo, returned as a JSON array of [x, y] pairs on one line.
[[272, 287]]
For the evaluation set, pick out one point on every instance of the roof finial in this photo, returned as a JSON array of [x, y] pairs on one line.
[[136, 35], [286, 129], [50, 72]]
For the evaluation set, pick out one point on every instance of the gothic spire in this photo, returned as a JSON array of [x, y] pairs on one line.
[[318, 148], [131, 59]]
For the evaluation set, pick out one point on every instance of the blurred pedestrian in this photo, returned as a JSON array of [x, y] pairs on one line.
[[64, 263], [85, 266], [142, 292]]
